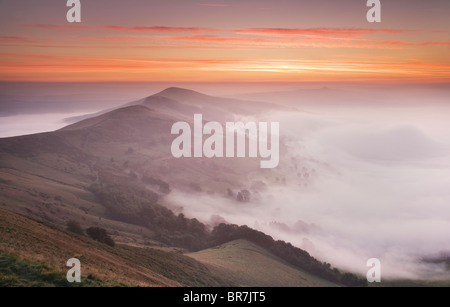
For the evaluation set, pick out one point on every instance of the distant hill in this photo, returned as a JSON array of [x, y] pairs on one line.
[[215, 105], [183, 103], [131, 141]]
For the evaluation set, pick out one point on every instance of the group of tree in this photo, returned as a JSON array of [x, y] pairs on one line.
[[100, 235], [140, 207], [225, 233], [163, 186], [96, 233], [137, 206], [242, 196]]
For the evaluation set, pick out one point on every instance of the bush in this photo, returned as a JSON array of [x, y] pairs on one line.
[[164, 187], [243, 196], [100, 235], [140, 207], [74, 227]]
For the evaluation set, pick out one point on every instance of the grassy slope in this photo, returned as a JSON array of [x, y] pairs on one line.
[[46, 177], [32, 253], [46, 192], [250, 265], [17, 272]]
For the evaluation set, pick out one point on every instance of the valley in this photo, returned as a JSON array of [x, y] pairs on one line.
[[113, 172]]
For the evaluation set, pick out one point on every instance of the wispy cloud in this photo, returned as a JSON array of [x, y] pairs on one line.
[[143, 50], [297, 42], [408, 44], [214, 4], [243, 31], [163, 37], [266, 37], [160, 29], [318, 31], [16, 39], [35, 63], [218, 38]]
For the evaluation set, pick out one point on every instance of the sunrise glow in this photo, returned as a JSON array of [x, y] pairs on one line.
[[231, 42]]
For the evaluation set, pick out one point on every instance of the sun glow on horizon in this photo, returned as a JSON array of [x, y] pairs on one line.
[[179, 48]]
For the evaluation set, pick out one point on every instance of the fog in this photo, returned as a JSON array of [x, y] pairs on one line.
[[367, 170], [377, 185], [34, 107]]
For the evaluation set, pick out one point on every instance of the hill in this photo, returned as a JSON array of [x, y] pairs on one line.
[[114, 171], [33, 253], [50, 175], [249, 265]]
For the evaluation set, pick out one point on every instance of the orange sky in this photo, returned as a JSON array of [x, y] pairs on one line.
[[226, 41]]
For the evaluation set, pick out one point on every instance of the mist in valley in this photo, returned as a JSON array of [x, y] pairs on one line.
[[364, 171], [355, 181]]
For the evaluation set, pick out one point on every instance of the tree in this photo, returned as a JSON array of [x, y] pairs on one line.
[[74, 227], [230, 193], [100, 235], [243, 196]]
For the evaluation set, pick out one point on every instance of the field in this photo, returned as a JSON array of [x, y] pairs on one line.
[[250, 265]]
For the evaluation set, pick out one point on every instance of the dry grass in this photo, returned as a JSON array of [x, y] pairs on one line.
[[251, 266], [41, 244]]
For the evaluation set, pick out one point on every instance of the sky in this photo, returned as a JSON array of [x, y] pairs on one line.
[[225, 41], [389, 148]]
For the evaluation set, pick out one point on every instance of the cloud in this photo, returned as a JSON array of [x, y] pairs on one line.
[[250, 31], [152, 29], [63, 27], [319, 31], [16, 40], [235, 40], [340, 47], [159, 29], [385, 145], [214, 5], [31, 124], [274, 37], [379, 188], [411, 44]]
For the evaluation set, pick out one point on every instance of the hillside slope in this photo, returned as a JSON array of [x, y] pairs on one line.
[[36, 244], [49, 175], [34, 254], [249, 265], [114, 171]]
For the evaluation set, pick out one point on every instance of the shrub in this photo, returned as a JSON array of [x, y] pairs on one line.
[[164, 187], [74, 227], [100, 235]]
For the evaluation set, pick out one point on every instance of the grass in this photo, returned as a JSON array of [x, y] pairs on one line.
[[249, 265], [34, 254], [17, 272], [175, 266]]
